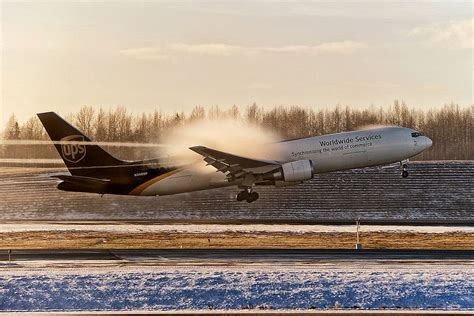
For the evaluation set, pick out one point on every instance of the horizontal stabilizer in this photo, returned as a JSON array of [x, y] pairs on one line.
[[82, 180]]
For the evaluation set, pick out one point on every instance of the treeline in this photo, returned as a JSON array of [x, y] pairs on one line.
[[451, 127]]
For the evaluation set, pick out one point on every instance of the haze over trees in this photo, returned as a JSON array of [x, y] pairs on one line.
[[451, 127]]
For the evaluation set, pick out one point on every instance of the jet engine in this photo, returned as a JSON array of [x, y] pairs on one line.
[[295, 171]]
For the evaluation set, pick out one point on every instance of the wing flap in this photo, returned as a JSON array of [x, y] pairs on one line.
[[230, 159], [236, 166]]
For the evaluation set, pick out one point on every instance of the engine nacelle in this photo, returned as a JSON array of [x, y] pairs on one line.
[[295, 171]]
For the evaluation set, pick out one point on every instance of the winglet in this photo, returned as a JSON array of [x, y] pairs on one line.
[[200, 150]]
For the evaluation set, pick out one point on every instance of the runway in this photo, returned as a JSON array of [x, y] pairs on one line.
[[236, 256]]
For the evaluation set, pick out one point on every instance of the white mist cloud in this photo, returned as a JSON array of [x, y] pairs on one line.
[[235, 136], [458, 34], [342, 48], [213, 49], [217, 49], [145, 53]]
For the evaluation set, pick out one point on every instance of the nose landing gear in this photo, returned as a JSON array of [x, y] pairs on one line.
[[404, 166], [247, 195]]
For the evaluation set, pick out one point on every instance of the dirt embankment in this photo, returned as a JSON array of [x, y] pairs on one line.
[[326, 240]]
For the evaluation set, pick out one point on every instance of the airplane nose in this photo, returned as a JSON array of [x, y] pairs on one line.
[[428, 142]]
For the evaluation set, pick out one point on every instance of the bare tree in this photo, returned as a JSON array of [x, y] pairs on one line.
[[12, 129], [142, 128], [214, 112], [112, 128], [234, 112], [451, 127], [253, 113], [197, 113], [100, 126], [156, 125], [32, 129], [84, 120], [124, 124]]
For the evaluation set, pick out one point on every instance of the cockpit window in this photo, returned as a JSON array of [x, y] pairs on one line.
[[416, 134]]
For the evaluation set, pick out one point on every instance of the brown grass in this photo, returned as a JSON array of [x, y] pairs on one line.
[[101, 240]]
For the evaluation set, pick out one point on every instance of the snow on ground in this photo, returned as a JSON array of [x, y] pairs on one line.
[[218, 228], [236, 288], [435, 191]]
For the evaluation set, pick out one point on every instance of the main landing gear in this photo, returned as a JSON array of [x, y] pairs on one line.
[[247, 195], [404, 166]]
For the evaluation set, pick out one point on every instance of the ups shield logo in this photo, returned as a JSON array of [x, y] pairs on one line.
[[75, 151]]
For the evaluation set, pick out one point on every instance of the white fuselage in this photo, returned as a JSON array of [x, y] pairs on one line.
[[328, 153]]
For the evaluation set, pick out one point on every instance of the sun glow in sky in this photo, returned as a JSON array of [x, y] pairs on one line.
[[174, 55]]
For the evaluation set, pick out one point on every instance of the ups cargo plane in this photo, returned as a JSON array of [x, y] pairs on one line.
[[96, 171]]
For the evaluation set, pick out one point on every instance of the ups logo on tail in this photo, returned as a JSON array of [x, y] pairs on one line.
[[74, 152]]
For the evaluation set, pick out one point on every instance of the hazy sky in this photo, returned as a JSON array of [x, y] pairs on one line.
[[173, 55]]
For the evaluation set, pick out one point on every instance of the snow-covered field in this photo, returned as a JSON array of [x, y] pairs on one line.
[[440, 191], [355, 286]]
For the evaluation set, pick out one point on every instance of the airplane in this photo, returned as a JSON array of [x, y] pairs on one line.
[[94, 170]]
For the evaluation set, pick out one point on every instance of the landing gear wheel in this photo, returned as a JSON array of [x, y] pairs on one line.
[[247, 195], [243, 195], [252, 197], [404, 168]]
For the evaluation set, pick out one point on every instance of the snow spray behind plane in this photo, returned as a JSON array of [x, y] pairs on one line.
[[229, 135]]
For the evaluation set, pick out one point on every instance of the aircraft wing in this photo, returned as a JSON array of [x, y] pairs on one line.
[[236, 166]]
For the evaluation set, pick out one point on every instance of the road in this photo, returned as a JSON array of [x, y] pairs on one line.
[[237, 256]]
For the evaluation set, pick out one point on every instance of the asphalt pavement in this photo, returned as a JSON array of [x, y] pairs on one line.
[[235, 256]]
